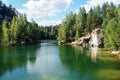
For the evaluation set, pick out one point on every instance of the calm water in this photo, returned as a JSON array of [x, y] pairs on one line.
[[48, 61]]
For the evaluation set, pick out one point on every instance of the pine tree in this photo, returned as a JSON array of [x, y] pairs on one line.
[[80, 22], [89, 22], [5, 32]]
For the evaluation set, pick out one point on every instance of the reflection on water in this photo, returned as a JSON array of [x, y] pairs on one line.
[[88, 64], [88, 51], [48, 61], [77, 62], [94, 52], [16, 58]]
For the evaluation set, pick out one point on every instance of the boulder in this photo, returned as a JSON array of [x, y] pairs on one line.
[[23, 42], [61, 42]]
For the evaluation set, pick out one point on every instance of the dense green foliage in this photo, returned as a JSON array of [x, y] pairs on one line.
[[6, 13], [15, 29], [19, 30], [111, 26], [106, 17], [49, 32], [66, 30]]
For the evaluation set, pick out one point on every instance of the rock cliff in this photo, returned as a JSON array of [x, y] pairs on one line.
[[82, 40], [93, 39], [96, 38]]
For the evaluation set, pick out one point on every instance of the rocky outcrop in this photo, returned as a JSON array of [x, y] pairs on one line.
[[96, 37], [93, 39], [82, 40], [61, 42]]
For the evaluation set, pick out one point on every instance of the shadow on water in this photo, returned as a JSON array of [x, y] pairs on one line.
[[89, 63], [16, 56]]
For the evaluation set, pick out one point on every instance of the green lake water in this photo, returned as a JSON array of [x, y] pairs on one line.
[[49, 61]]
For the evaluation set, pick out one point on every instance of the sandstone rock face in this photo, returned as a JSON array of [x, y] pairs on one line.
[[96, 37], [82, 40]]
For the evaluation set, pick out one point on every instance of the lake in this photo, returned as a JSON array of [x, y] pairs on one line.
[[50, 61]]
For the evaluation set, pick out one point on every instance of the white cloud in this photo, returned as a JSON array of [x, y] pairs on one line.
[[44, 8], [49, 22], [4, 1], [93, 3]]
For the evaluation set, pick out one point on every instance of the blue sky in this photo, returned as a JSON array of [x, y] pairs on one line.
[[51, 12]]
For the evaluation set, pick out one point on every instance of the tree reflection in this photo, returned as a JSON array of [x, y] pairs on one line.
[[87, 63], [16, 56]]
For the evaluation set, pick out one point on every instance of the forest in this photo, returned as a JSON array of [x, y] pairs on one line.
[[105, 17], [15, 29]]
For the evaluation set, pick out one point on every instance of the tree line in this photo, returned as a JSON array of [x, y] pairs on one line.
[[49, 32], [106, 17], [20, 31], [15, 29]]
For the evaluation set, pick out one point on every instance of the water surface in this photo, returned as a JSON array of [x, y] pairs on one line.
[[48, 61]]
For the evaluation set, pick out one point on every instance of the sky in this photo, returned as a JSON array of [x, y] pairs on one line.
[[52, 12]]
